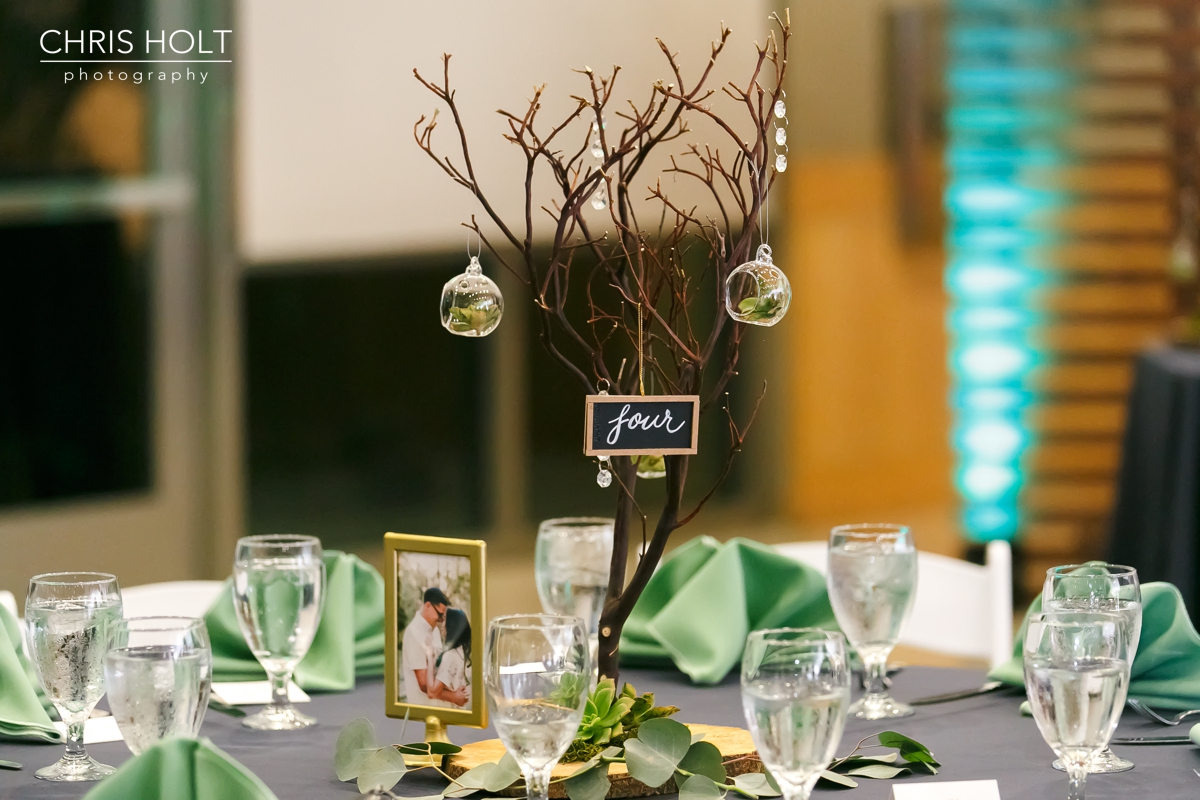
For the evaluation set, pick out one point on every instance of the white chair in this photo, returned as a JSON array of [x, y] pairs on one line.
[[961, 609], [171, 599]]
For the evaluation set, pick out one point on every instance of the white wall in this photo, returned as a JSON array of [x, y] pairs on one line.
[[326, 100]]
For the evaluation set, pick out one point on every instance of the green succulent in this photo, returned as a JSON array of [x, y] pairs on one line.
[[759, 308], [610, 718], [475, 317]]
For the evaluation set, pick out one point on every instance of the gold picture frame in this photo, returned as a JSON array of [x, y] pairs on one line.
[[411, 560]]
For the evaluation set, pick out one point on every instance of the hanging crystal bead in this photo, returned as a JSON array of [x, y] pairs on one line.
[[780, 109], [597, 149], [781, 136], [600, 199], [780, 162]]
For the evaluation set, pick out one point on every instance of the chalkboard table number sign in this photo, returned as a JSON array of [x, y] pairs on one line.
[[627, 425]]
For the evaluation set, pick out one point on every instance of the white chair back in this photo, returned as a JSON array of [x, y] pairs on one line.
[[961, 609], [171, 599]]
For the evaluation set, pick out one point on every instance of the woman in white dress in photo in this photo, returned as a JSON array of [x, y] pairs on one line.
[[451, 686]]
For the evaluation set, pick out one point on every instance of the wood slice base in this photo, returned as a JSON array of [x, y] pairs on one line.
[[734, 743]]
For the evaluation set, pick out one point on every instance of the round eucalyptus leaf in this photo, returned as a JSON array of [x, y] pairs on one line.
[[355, 742], [381, 770]]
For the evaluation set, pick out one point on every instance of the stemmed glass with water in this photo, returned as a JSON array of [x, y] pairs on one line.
[[1098, 587], [795, 692], [1076, 677], [68, 616], [537, 669], [158, 671], [571, 564], [872, 580], [279, 594]]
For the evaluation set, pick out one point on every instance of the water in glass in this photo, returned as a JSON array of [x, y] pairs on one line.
[[872, 580], [1098, 587], [158, 671], [67, 621], [571, 566], [795, 693], [1076, 678], [537, 673], [279, 594]]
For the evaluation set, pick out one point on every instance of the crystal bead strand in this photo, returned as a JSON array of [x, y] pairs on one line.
[[600, 198], [781, 132]]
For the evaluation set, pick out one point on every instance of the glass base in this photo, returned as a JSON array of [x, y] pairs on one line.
[[78, 768], [278, 718], [879, 706], [1104, 762]]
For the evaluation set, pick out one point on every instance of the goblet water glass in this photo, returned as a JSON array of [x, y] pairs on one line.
[[872, 580], [537, 670], [67, 620], [1098, 587], [279, 594], [571, 565], [158, 671], [1076, 678], [795, 692]]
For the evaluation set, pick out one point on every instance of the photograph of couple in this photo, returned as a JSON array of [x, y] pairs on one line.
[[435, 642]]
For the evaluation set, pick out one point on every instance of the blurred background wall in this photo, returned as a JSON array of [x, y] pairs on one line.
[[217, 301]]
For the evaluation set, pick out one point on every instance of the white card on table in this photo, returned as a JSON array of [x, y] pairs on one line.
[[947, 790], [96, 730], [253, 693]]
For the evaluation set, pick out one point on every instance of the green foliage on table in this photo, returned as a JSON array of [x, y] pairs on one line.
[[759, 308], [477, 317], [917, 758], [657, 751]]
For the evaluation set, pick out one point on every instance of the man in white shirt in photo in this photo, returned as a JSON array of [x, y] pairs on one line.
[[421, 646]]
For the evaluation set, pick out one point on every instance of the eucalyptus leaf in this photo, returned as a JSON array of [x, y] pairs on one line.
[[880, 772], [589, 783], [459, 792], [355, 742], [491, 777], [840, 780], [381, 770], [703, 758], [700, 787], [659, 747], [611, 753], [696, 737], [910, 749], [758, 783]]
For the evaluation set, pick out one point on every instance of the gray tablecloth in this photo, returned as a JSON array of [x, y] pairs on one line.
[[1156, 519], [983, 737]]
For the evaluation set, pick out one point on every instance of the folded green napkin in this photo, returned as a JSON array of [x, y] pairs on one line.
[[349, 641], [1166, 668], [182, 769], [706, 597], [22, 711]]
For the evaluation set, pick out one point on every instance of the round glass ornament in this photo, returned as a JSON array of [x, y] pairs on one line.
[[471, 302], [758, 292]]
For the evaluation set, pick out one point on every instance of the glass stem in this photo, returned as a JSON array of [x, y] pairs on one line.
[[800, 791], [1076, 777], [876, 669], [75, 751], [279, 689], [537, 783]]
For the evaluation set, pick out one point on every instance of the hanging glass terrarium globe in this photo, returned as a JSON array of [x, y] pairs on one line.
[[471, 302], [758, 292]]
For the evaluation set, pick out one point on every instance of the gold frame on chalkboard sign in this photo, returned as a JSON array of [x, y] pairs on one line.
[[435, 716], [595, 399]]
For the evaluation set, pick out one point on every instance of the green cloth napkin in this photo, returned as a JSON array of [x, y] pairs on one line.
[[1166, 668], [182, 769], [349, 641], [706, 597], [22, 712]]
